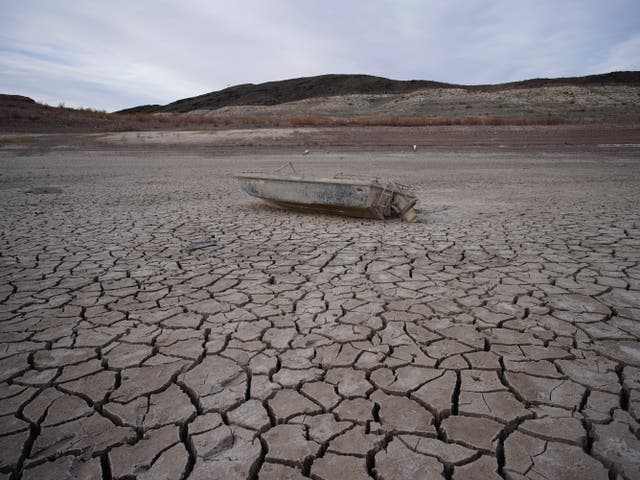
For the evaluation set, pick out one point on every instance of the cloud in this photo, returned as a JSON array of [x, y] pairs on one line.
[[621, 56], [119, 53]]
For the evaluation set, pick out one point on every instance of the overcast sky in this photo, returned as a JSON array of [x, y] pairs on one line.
[[114, 54]]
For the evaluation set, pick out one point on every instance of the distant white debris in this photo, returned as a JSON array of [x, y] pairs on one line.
[[306, 152], [415, 147]]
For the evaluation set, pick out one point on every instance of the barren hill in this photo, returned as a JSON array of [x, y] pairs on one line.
[[297, 89], [358, 100], [284, 91]]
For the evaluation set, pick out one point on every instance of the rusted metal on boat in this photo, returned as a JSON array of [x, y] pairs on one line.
[[354, 197]]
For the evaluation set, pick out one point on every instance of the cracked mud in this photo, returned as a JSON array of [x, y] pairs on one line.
[[497, 338]]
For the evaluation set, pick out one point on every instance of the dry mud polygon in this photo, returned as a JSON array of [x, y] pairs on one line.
[[498, 337]]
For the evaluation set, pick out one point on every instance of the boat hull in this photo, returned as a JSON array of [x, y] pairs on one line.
[[355, 199], [328, 209]]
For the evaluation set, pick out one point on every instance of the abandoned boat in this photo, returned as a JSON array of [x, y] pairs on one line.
[[344, 196]]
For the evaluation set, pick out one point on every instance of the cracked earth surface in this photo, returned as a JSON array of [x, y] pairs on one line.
[[498, 338]]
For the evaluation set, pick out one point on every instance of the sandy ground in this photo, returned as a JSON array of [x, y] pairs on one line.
[[587, 138], [495, 338]]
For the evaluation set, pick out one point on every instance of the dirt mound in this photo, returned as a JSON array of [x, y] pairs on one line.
[[23, 114]]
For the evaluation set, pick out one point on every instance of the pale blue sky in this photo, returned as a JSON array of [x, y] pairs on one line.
[[121, 53]]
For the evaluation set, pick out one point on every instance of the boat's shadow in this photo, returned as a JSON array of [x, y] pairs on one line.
[[264, 210]]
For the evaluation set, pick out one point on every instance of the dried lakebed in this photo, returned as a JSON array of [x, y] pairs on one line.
[[497, 338]]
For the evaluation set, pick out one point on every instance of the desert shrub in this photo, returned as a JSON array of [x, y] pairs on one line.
[[309, 121]]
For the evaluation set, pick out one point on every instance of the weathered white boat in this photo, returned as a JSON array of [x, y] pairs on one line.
[[343, 196]]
